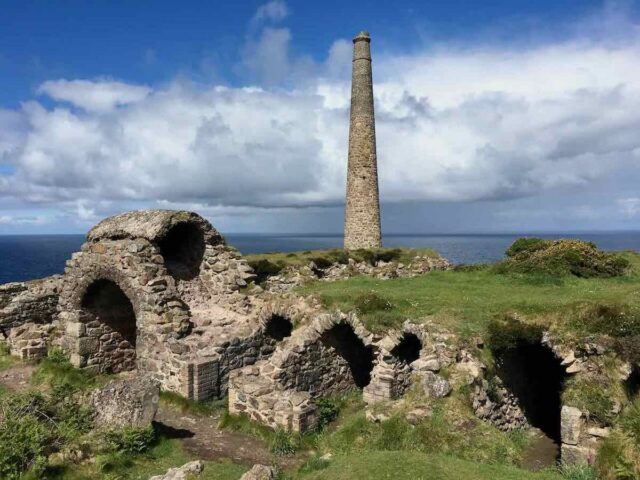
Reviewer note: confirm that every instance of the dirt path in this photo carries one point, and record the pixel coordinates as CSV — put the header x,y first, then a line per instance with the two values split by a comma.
x,y
201,436
16,378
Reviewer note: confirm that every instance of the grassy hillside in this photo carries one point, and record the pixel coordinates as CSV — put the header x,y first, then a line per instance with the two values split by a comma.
x,y
467,298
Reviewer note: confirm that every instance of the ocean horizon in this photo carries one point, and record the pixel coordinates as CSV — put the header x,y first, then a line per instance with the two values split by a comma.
x,y
27,257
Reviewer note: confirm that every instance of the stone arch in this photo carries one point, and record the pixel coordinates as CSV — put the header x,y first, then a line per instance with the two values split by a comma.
x,y
109,316
343,340
408,348
87,276
182,247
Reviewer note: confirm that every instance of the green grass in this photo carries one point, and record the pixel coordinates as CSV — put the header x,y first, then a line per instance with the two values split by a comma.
x,y
466,300
167,453
402,465
207,408
6,360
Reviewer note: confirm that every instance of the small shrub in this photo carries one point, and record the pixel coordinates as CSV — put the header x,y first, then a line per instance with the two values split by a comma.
x,y
371,302
561,257
328,411
577,472
526,245
283,443
35,425
129,440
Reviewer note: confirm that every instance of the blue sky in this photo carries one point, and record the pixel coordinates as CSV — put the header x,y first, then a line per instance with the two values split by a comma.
x,y
492,116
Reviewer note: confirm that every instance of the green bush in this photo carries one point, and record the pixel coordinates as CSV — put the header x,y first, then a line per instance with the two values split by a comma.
x,y
371,302
526,245
35,425
264,269
561,257
129,440
328,411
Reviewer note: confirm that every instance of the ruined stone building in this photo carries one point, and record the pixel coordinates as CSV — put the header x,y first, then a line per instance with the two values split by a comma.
x,y
362,211
160,292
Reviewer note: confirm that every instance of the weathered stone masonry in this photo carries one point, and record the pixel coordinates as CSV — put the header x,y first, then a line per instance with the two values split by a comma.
x,y
362,213
159,290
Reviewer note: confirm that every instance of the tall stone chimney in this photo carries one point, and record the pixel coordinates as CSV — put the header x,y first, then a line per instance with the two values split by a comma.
x,y
362,215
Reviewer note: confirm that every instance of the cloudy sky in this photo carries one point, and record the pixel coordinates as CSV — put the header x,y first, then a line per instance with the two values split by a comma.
x,y
497,116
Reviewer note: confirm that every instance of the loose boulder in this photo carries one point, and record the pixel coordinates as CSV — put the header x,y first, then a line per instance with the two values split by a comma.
x,y
260,472
126,403
435,386
188,470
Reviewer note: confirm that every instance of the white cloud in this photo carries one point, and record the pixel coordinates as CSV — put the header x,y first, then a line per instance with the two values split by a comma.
x,y
453,125
94,96
630,206
273,11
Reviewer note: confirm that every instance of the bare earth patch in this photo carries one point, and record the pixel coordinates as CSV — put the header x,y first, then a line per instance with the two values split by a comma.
x,y
203,439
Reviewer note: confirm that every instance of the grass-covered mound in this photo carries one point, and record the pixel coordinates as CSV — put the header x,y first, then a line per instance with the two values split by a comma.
x,y
561,257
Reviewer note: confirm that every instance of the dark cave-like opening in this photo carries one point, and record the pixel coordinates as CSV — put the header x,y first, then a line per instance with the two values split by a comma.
x,y
349,346
182,249
408,350
278,327
105,301
535,376
632,383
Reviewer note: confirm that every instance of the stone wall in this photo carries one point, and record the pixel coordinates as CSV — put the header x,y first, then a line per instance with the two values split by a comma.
x,y
35,302
279,392
394,372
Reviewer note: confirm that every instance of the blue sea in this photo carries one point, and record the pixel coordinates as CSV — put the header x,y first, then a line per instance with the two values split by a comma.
x,y
25,257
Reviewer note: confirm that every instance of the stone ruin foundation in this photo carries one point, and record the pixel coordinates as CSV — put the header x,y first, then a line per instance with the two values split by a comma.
x,y
160,292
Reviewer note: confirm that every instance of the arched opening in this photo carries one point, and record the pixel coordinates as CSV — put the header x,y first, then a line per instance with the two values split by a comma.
x,y
182,249
348,345
278,328
536,377
408,350
112,323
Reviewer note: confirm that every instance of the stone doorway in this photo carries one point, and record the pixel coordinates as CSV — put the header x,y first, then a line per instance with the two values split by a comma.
x,y
535,376
111,327
350,347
